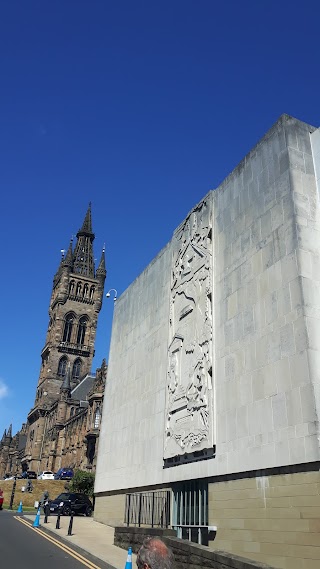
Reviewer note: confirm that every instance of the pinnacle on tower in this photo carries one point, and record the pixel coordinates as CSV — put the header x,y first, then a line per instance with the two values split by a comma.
x,y
9,433
68,260
101,270
4,436
57,276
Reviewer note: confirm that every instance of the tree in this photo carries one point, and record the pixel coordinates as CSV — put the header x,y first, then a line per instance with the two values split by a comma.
x,y
82,482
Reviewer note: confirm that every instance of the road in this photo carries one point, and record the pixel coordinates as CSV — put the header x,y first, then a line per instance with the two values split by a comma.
x,y
22,546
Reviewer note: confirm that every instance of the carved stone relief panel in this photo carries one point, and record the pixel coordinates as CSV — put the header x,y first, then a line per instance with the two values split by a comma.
x,y
189,400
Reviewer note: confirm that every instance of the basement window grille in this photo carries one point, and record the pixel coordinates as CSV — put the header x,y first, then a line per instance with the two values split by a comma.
x,y
190,511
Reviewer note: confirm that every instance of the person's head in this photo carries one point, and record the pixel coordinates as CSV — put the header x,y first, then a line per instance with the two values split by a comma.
x,y
154,554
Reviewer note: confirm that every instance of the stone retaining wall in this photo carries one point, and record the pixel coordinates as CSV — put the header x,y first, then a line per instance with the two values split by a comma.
x,y
187,555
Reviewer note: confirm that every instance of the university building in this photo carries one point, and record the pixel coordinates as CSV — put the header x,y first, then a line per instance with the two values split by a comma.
x,y
212,404
12,450
63,426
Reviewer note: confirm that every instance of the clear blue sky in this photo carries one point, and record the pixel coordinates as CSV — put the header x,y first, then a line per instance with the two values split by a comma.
x,y
140,107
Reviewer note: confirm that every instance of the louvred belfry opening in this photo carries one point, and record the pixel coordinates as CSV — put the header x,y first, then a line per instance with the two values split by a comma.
x,y
83,259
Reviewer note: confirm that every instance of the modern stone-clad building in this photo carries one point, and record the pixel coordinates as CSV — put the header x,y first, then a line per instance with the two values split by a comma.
x,y
213,393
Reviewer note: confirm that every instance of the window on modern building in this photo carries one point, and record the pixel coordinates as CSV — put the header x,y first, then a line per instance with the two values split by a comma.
x,y
62,367
82,326
76,370
68,325
97,417
190,511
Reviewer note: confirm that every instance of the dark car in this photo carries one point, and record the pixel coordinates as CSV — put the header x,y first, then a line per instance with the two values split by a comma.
x,y
23,475
69,501
31,475
64,474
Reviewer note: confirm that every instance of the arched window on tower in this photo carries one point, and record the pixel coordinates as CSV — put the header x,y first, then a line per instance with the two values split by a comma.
x,y
97,418
82,326
71,287
85,290
76,370
67,332
62,367
78,289
91,292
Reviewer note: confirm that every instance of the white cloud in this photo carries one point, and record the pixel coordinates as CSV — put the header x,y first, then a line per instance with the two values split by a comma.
x,y
4,391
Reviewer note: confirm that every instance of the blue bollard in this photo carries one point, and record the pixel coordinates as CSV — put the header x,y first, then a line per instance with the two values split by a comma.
x,y
36,522
128,564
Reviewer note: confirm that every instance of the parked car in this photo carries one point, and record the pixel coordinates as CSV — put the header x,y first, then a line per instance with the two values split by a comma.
x,y
23,475
69,501
64,474
1,499
46,475
31,475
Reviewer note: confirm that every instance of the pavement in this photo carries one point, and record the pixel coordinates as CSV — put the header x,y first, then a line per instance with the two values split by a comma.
x,y
88,537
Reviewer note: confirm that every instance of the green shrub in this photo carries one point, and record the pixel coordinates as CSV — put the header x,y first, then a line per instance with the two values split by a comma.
x,y
82,482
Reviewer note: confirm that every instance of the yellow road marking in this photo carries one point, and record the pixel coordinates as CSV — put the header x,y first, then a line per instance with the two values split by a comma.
x,y
65,548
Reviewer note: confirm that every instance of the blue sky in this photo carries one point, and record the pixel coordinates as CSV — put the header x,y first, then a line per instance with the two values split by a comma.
x,y
141,108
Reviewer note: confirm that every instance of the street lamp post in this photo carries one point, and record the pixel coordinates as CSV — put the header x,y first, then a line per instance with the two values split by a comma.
x,y
109,294
12,493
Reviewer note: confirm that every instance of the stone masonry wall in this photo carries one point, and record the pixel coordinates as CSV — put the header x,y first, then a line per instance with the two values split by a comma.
x,y
187,555
110,510
272,519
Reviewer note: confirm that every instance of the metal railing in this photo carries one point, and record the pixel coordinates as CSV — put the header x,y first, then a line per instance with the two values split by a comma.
x,y
148,509
194,533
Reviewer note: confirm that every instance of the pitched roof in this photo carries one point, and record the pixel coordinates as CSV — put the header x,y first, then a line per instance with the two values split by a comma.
x,y
81,390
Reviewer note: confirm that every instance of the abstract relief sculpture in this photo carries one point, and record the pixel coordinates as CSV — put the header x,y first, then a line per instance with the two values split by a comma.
x,y
189,403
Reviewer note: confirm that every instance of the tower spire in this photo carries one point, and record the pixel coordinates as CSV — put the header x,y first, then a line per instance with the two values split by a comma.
x,y
83,259
87,223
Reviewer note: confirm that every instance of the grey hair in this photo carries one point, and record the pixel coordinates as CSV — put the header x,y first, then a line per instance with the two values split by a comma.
x,y
155,554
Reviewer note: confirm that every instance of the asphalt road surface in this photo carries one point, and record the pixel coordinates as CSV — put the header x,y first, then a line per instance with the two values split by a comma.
x,y
24,547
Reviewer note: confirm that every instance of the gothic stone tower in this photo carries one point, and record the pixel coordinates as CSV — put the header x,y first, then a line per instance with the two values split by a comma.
x,y
4,451
75,303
